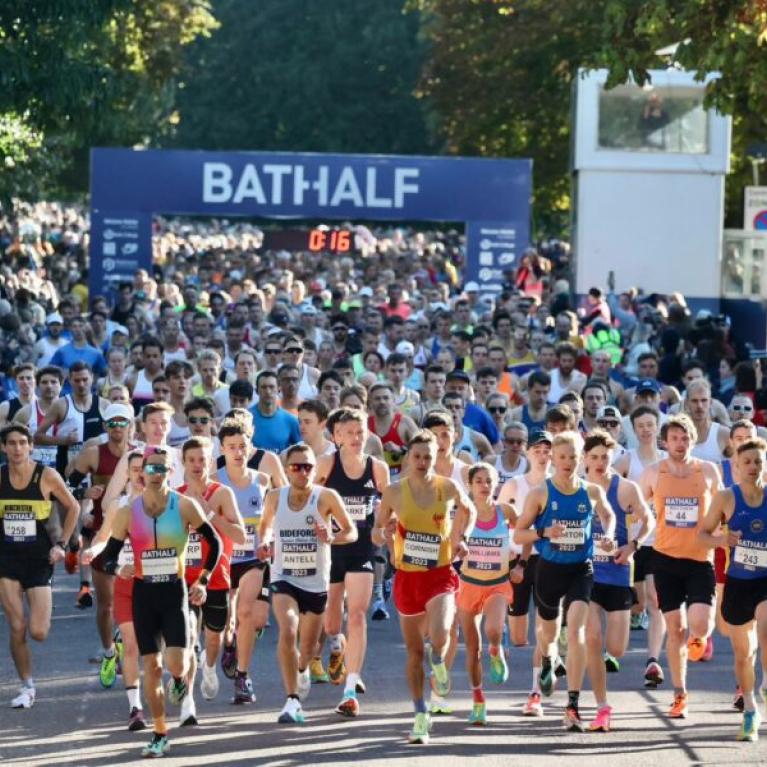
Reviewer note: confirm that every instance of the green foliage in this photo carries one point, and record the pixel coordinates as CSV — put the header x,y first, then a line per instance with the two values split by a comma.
x,y
80,74
306,76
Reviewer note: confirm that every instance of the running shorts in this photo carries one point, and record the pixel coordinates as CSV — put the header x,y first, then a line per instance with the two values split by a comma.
x,y
472,597
554,582
612,598
160,615
682,581
741,598
414,590
307,601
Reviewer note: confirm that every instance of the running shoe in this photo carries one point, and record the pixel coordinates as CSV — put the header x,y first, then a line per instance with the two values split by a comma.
x,y
438,706
636,622
653,674
645,624
478,715
349,705
188,714
440,676
158,746
386,586
229,659
209,683
499,671
708,653
695,649
136,720
304,684
737,702
336,668
421,726
177,690
380,613
678,708
84,598
572,720
25,698
108,671
562,641
360,687
70,561
749,729
533,706
611,664
317,672
560,669
243,691
291,713
601,722
117,638
547,680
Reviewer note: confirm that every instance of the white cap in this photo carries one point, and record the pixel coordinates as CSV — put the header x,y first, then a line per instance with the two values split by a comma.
x,y
120,329
366,292
406,348
471,287
55,317
118,410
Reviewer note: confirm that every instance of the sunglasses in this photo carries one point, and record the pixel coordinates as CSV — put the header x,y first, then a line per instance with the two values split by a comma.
x,y
305,468
515,441
742,408
273,351
156,468
117,423
201,419
294,350
609,424
497,409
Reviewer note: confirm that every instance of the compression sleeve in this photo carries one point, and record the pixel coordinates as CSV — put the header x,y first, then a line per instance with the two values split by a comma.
x,y
207,531
110,554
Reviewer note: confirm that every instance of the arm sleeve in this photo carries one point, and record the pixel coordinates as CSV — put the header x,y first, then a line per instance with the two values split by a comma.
x,y
214,546
110,554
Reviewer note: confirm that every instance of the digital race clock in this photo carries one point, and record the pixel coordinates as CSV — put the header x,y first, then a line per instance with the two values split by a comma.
x,y
313,240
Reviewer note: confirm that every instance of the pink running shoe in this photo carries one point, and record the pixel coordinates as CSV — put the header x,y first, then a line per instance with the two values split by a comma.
x,y
601,722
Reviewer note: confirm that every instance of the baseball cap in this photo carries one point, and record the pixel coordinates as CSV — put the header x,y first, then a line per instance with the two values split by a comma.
x,y
51,319
458,375
471,287
118,410
366,292
308,309
608,411
406,348
538,436
120,329
648,384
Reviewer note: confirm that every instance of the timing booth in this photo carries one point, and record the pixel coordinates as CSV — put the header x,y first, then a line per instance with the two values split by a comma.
x,y
128,187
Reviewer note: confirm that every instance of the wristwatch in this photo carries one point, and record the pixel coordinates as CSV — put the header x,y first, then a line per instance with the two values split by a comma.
x,y
540,531
61,545
522,563
203,581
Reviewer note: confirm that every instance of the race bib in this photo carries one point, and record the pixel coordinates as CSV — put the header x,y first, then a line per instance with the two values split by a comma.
x,y
358,512
246,550
299,559
421,549
681,512
45,455
754,559
159,566
599,554
486,554
20,527
572,537
194,551
125,557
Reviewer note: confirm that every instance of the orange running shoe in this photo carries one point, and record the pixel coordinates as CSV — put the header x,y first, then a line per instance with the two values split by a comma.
x,y
696,648
678,709
70,561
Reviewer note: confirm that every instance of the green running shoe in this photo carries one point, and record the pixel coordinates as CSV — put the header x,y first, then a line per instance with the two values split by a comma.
x,y
158,746
611,664
499,671
440,676
547,680
749,729
420,732
108,671
478,715
177,691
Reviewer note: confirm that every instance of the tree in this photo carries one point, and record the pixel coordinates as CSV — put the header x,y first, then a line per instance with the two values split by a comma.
x,y
75,75
302,76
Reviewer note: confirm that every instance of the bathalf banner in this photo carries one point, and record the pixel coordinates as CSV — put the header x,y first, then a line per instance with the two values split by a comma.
x,y
490,196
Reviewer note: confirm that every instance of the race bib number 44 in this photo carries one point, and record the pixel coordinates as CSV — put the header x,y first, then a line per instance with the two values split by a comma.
x,y
159,566
753,559
421,549
681,512
20,527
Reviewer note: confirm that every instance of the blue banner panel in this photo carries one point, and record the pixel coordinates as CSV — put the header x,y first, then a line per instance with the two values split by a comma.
x,y
492,247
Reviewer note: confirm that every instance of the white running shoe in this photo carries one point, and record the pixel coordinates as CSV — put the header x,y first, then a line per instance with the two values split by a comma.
x,y
304,684
25,698
291,713
188,715
209,683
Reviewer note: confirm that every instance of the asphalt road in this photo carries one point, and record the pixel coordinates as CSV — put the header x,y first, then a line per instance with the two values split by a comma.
x,y
75,722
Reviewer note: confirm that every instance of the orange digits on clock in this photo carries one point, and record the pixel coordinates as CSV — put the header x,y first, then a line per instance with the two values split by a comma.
x,y
317,239
344,241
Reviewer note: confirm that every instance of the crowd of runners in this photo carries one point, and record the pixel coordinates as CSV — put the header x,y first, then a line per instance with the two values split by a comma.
x,y
244,437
